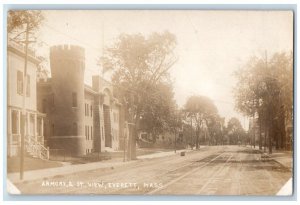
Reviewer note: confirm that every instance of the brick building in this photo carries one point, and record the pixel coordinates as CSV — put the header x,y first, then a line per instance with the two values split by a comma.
x,y
81,119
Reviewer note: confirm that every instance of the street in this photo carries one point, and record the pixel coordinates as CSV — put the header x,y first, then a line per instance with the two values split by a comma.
x,y
213,170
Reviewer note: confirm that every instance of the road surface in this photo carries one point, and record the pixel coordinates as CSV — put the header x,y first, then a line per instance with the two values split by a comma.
x,y
215,170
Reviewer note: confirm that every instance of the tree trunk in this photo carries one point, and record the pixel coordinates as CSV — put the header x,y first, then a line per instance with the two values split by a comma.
x,y
133,143
277,139
269,137
129,144
134,137
260,142
265,135
197,140
284,132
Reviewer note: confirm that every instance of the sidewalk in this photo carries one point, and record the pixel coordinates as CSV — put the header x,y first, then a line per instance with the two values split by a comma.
x,y
163,154
285,158
70,169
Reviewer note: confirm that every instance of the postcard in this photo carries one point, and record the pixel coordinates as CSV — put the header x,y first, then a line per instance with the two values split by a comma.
x,y
150,102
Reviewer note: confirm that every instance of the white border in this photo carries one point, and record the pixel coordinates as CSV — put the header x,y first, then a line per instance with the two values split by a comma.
x,y
111,2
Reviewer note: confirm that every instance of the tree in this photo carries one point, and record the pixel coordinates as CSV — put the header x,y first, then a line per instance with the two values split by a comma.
x,y
264,91
235,131
202,110
215,127
159,111
139,63
20,20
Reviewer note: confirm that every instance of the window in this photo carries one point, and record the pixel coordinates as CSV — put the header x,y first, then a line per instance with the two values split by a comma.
x,y
91,132
15,122
52,130
51,100
91,111
87,109
85,132
28,86
32,125
20,82
44,106
74,99
39,126
74,128
88,136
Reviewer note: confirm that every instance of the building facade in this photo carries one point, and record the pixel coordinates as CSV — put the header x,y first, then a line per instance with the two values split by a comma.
x,y
34,124
81,119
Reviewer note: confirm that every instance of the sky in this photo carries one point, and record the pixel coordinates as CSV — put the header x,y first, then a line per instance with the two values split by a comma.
x,y
211,45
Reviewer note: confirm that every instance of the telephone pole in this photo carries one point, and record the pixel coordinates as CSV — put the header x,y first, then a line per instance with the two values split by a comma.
x,y
24,113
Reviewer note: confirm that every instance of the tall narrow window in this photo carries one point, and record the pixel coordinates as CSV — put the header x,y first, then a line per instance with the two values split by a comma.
x,y
88,137
15,122
85,132
52,130
20,82
91,132
39,126
91,111
28,86
87,109
74,99
32,125
74,128
44,106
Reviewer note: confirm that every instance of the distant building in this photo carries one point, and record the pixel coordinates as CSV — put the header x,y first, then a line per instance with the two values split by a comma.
x,y
34,135
81,119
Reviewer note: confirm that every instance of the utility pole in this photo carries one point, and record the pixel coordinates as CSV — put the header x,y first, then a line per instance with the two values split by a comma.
x,y
23,118
175,141
191,133
268,113
254,130
125,138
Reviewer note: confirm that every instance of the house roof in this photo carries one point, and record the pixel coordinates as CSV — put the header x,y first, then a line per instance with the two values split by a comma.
x,y
19,49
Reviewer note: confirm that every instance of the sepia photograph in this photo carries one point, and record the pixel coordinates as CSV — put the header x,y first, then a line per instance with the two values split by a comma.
x,y
150,102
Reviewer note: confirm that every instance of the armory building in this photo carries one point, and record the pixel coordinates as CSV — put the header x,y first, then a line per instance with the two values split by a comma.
x,y
81,119
63,112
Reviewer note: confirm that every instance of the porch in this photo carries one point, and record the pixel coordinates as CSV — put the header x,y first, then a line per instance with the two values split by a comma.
x,y
34,133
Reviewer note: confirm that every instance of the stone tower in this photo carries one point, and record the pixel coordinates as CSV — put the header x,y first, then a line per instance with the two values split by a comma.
x,y
67,116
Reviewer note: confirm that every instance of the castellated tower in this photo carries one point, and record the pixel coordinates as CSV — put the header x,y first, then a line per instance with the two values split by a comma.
x,y
67,117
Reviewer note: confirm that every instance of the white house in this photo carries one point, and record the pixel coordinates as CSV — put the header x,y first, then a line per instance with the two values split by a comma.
x,y
34,139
